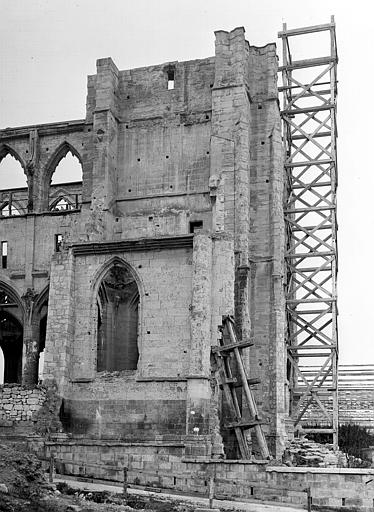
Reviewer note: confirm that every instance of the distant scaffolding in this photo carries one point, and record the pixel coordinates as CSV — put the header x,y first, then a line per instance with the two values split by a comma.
x,y
309,89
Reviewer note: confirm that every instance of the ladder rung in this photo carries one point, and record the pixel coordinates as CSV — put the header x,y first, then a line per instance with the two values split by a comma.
x,y
306,30
228,381
293,111
318,391
244,423
252,382
234,382
308,63
231,346
307,163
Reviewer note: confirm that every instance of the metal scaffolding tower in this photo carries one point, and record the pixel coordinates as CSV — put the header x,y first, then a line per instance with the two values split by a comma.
x,y
309,90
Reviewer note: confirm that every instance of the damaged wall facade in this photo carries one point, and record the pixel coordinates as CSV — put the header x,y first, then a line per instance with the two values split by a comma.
x,y
177,221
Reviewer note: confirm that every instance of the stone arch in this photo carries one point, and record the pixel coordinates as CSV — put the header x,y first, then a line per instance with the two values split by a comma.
x,y
117,296
5,150
8,288
11,333
12,208
63,149
20,171
62,202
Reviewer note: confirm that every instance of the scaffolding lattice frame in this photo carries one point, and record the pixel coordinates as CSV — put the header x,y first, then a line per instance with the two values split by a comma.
x,y
309,90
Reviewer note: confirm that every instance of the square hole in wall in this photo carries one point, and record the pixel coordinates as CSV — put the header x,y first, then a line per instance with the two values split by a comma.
x,y
196,225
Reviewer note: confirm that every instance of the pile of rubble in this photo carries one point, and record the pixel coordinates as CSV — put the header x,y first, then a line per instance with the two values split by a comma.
x,y
303,452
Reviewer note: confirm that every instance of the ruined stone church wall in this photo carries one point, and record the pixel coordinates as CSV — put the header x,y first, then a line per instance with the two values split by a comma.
x,y
155,161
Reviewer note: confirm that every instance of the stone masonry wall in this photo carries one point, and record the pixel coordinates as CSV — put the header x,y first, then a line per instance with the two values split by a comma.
x,y
20,404
163,466
156,164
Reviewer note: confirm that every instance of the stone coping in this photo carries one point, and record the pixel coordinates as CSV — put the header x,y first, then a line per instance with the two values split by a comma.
x,y
44,129
204,460
87,442
329,471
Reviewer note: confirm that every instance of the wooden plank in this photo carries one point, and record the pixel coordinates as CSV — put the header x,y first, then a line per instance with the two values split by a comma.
x,y
322,92
319,430
310,301
308,63
322,392
311,311
234,382
309,163
294,111
309,347
309,135
311,208
249,398
314,354
233,407
301,86
244,424
303,255
305,30
231,346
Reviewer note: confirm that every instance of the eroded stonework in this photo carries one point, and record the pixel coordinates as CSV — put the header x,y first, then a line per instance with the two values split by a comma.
x,y
177,222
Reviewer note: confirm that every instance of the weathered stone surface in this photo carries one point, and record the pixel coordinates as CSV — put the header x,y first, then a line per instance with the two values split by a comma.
x,y
17,404
303,452
183,187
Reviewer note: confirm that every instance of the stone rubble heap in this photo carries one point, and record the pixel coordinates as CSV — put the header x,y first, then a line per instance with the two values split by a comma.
x,y
303,452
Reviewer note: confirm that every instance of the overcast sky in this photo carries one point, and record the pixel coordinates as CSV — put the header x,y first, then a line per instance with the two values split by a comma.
x,y
48,47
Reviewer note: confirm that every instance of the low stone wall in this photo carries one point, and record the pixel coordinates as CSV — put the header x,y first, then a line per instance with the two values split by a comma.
x,y
19,403
163,466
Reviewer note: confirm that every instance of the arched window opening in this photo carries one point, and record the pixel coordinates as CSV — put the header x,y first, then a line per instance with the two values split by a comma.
x,y
63,190
117,329
68,170
11,173
11,336
8,209
62,204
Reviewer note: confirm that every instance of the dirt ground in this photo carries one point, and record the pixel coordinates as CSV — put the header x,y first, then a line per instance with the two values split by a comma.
x,y
24,488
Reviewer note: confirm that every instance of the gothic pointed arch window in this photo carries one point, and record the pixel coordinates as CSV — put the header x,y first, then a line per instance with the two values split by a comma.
x,y
61,204
68,169
14,193
63,174
118,317
9,209
12,174
11,338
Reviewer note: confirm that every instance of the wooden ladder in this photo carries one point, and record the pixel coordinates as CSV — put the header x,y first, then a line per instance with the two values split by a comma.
x,y
229,383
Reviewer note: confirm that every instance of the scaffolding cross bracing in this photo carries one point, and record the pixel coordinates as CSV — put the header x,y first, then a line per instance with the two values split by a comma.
x,y
309,90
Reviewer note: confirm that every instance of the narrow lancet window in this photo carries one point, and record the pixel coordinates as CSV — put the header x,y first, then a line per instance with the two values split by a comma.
x,y
11,336
117,330
171,78
4,254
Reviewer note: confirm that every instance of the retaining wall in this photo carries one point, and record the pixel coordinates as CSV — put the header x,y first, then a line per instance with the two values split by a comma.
x,y
19,403
163,466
